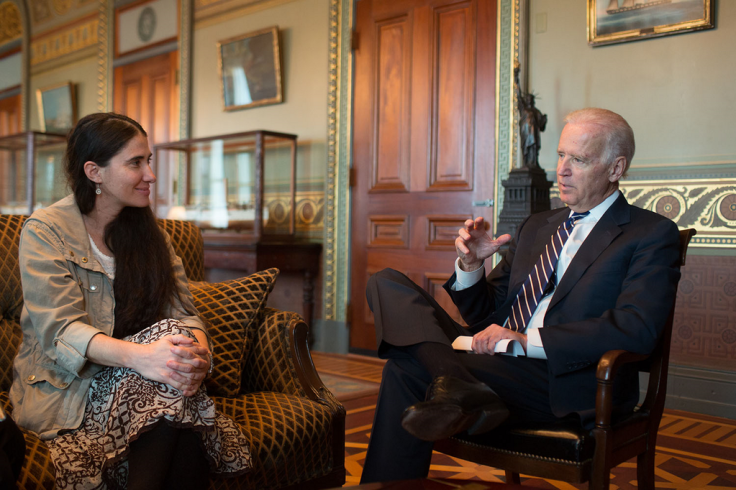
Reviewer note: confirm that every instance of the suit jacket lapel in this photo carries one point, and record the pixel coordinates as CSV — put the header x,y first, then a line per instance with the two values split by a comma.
x,y
597,241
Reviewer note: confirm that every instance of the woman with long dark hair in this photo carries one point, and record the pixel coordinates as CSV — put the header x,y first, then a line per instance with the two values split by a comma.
x,y
113,356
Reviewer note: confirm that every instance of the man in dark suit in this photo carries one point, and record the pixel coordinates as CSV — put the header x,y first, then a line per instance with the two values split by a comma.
x,y
575,283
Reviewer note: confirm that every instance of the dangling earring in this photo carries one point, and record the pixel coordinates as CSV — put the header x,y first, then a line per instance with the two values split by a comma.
x,y
98,191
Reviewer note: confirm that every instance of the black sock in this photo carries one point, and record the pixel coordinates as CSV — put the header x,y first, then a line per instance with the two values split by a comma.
x,y
439,360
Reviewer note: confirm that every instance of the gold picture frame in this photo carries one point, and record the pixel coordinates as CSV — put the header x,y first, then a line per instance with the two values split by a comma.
x,y
57,107
617,21
250,69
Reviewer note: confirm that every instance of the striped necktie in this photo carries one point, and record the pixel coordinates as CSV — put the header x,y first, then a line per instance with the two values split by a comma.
x,y
538,280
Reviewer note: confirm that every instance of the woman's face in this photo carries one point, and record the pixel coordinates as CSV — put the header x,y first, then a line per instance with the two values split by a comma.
x,y
127,179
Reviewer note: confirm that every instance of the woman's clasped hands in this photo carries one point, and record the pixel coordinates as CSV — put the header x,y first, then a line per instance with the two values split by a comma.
x,y
177,360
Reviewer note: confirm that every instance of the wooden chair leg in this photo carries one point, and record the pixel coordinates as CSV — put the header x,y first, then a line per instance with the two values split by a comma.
x,y
512,477
645,469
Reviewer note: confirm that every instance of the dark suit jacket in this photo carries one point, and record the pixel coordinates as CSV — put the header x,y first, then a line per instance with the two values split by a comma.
x,y
617,293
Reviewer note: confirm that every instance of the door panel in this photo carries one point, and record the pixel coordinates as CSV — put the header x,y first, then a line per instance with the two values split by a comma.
x,y
452,139
147,92
423,141
391,162
10,186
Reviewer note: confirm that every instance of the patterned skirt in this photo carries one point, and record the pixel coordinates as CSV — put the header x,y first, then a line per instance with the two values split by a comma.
x,y
122,405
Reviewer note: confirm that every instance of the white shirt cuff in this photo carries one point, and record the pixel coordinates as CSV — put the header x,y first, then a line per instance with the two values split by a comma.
x,y
534,347
464,280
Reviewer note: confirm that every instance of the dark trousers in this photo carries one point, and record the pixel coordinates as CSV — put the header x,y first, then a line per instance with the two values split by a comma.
x,y
406,315
12,453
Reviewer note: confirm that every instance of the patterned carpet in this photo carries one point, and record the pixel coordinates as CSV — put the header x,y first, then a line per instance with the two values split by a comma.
x,y
693,451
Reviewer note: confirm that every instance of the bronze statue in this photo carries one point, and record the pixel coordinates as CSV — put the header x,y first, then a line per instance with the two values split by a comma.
x,y
531,123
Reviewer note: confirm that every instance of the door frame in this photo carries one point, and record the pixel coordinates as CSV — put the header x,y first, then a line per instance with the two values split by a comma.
x,y
511,29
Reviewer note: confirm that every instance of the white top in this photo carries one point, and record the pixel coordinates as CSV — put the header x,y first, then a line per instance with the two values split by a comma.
x,y
580,232
107,262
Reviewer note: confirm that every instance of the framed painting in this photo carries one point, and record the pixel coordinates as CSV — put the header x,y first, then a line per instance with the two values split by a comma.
x,y
57,107
250,69
617,21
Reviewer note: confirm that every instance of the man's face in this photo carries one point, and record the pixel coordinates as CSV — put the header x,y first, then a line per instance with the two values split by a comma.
x,y
583,178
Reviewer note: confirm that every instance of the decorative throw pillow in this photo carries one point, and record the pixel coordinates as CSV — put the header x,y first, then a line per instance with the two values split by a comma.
x,y
231,308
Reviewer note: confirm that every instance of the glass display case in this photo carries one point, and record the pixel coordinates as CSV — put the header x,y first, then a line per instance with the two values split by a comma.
x,y
242,183
31,171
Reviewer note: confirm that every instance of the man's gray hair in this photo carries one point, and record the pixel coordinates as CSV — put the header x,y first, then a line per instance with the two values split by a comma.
x,y
619,135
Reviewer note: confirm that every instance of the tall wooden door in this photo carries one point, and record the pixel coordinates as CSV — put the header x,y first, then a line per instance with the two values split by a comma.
x,y
424,141
147,91
10,186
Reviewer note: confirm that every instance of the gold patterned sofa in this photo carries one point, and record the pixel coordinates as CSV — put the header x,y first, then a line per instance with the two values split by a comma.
x,y
264,378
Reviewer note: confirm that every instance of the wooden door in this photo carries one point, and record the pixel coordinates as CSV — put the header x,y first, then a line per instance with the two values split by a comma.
x,y
10,186
147,91
424,140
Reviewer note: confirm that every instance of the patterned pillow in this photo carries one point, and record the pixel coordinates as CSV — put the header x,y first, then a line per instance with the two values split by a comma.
x,y
233,309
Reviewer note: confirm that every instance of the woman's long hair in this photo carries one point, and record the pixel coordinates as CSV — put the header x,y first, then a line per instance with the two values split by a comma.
x,y
144,277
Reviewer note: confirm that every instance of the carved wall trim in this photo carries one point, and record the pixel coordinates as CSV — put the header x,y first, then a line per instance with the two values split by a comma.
x,y
11,27
71,38
105,33
336,240
186,28
507,52
708,205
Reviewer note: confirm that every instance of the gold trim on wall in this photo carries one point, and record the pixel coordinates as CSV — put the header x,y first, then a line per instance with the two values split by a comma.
x,y
105,33
708,205
10,24
74,37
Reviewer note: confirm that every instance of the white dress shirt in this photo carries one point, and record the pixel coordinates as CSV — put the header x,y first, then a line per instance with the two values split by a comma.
x,y
580,232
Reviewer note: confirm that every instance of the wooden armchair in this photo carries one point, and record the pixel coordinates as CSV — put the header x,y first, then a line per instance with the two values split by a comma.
x,y
264,378
565,451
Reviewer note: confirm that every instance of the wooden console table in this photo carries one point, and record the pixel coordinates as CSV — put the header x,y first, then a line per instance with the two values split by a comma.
x,y
234,252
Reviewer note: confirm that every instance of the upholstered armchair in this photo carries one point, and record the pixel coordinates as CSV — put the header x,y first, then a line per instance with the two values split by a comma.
x,y
264,378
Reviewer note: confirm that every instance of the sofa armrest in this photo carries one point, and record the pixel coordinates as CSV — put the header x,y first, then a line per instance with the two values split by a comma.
x,y
280,361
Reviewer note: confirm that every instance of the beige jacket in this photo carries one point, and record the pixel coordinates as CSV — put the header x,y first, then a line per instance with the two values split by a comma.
x,y
67,300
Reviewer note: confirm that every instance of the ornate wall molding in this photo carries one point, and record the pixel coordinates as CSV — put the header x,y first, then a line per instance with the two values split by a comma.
x,y
185,69
11,27
336,240
507,52
74,37
105,33
708,205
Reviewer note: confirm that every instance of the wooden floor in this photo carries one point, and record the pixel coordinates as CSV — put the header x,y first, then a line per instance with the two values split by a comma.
x,y
693,451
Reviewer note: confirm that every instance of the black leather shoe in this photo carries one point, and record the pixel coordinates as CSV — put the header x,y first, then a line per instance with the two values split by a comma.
x,y
451,406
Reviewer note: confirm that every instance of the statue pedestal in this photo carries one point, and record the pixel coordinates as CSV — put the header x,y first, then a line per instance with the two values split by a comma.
x,y
526,191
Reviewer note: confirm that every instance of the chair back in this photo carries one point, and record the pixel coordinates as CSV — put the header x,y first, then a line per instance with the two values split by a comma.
x,y
11,296
186,238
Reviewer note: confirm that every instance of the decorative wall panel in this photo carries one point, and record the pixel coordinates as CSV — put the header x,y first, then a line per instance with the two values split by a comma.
x,y
708,205
704,333
81,34
10,23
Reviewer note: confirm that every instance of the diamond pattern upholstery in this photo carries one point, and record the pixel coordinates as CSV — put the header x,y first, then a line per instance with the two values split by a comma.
x,y
186,238
11,296
288,435
264,377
